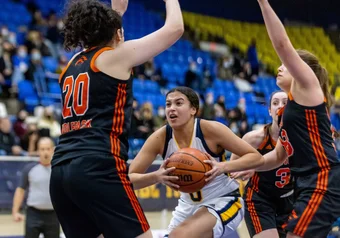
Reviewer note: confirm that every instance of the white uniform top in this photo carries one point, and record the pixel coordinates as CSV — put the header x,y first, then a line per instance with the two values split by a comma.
x,y
220,186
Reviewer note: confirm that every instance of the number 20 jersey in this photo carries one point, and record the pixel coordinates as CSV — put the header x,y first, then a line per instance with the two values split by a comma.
x,y
96,111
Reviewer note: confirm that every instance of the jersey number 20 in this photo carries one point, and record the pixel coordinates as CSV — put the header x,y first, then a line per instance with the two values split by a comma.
x,y
78,90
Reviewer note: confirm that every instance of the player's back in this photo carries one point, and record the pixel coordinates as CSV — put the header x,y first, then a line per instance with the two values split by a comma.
x,y
277,181
307,138
96,110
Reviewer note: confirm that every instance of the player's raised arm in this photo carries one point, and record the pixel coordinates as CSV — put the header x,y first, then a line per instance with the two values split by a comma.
x,y
120,6
300,71
136,52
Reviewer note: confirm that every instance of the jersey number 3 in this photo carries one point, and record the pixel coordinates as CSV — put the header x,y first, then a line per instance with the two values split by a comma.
x,y
76,98
284,173
285,143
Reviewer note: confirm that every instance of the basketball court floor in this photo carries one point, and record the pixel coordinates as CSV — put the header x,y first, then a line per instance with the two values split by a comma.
x,y
158,222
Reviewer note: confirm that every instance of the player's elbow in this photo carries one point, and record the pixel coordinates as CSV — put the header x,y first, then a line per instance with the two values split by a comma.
x,y
259,161
175,29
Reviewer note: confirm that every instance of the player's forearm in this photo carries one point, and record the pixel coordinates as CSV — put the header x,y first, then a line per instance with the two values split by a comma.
x,y
140,181
275,28
174,18
248,161
271,161
19,196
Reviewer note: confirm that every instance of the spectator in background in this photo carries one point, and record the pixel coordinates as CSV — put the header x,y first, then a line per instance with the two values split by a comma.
x,y
160,118
29,141
220,115
238,113
192,79
134,119
38,22
207,78
49,122
6,66
225,68
35,66
249,75
243,128
20,126
8,145
35,179
221,102
145,124
253,58
208,110
53,34
35,40
21,63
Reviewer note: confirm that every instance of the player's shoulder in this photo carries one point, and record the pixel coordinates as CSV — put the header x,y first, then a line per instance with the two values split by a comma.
x,y
159,135
209,125
255,137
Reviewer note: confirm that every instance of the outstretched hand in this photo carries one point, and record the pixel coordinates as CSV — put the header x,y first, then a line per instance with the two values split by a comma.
x,y
120,6
164,177
217,168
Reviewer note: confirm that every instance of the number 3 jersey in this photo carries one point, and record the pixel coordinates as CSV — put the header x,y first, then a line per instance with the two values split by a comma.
x,y
277,182
307,138
220,186
96,111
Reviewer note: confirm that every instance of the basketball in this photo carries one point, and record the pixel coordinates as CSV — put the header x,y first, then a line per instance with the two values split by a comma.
x,y
190,169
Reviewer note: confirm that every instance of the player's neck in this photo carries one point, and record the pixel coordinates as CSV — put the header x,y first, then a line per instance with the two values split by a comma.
x,y
183,136
274,131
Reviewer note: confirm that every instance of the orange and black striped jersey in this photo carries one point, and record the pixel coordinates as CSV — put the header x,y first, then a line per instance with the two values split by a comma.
x,y
306,136
277,181
96,111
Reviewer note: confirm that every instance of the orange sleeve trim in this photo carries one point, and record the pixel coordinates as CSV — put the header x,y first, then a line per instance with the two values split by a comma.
x,y
290,96
93,60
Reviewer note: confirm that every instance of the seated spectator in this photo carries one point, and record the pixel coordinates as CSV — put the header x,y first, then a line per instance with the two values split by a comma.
x,y
221,102
145,124
29,141
238,113
20,126
225,68
220,115
21,63
49,122
208,111
192,78
160,118
8,145
35,40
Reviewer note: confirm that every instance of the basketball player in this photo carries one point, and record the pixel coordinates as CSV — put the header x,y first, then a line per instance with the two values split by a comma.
x,y
90,189
217,209
268,195
305,136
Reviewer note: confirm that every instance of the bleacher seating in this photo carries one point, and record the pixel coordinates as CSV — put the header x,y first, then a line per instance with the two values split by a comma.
x,y
240,34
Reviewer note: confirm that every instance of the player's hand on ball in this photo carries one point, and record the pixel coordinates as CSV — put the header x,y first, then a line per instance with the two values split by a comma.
x,y
244,175
164,177
217,168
